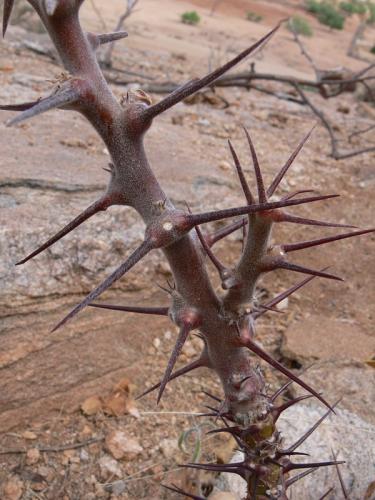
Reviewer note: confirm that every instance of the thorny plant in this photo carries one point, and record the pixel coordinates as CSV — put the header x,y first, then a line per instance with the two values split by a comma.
x,y
226,323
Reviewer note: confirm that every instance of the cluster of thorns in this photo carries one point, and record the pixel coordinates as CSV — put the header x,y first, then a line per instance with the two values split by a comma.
x,y
264,456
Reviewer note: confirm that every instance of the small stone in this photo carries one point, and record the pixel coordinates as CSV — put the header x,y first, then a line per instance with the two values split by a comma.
x,y
156,343
13,489
32,456
178,120
117,404
116,488
92,406
29,435
168,335
109,467
47,472
224,165
84,456
120,445
168,447
343,109
69,457
86,431
204,122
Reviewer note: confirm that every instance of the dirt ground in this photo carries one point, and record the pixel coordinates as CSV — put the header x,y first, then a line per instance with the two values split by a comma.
x,y
51,168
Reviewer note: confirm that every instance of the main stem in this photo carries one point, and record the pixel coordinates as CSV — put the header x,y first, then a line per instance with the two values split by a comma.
x,y
123,132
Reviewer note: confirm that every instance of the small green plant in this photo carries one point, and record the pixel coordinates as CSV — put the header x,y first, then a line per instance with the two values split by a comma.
x,y
253,16
326,13
371,13
300,26
191,17
353,7
372,50
313,6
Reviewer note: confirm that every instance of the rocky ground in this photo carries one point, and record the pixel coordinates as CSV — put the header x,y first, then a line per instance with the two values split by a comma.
x,y
69,425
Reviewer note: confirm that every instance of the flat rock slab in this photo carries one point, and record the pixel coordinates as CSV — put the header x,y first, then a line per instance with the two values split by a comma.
x,y
324,338
351,381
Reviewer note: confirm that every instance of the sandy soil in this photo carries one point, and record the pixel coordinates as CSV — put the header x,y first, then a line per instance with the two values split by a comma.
x,y
46,378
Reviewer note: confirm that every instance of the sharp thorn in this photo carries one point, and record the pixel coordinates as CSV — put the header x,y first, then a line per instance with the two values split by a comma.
x,y
135,257
284,387
215,261
193,86
218,468
7,11
211,415
215,398
308,433
270,360
19,107
279,298
245,187
322,241
278,411
178,373
298,477
181,339
233,431
61,98
159,311
225,231
178,490
216,410
262,197
315,465
296,193
241,445
111,37
250,209
342,483
96,207
281,453
305,270
270,308
295,219
164,289
285,168
327,493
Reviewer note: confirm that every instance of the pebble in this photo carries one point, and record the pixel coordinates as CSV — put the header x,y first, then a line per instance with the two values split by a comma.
x,y
32,456
225,165
29,435
12,489
92,405
168,447
84,456
120,445
168,335
109,467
